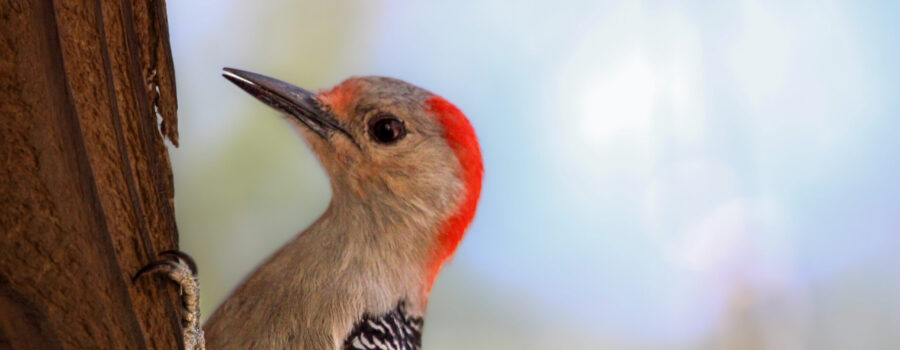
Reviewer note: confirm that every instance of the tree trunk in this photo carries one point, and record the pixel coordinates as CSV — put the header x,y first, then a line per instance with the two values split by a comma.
x,y
87,94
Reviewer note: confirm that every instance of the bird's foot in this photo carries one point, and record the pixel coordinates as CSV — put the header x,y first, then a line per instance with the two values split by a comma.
x,y
181,269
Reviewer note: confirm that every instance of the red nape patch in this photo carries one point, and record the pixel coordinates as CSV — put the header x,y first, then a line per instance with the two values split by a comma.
x,y
461,137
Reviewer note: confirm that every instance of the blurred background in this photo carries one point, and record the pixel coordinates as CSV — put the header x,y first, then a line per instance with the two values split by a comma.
x,y
659,175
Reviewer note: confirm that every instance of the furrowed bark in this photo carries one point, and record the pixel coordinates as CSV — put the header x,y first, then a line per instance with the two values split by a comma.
x,y
87,96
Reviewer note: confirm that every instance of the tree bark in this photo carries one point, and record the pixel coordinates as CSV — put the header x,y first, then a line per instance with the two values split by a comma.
x,y
87,96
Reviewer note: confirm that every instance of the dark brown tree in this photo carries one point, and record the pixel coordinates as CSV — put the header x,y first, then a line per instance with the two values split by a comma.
x,y
87,96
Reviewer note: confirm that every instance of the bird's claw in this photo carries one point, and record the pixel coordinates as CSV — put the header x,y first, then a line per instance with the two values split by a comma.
x,y
187,259
168,265
183,271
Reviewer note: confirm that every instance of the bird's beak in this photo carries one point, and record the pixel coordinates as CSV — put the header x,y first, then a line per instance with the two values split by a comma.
x,y
297,102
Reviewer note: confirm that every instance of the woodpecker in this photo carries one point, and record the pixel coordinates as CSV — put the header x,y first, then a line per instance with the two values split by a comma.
x,y
405,170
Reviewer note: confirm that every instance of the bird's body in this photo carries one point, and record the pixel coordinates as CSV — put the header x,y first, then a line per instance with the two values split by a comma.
x,y
318,286
405,173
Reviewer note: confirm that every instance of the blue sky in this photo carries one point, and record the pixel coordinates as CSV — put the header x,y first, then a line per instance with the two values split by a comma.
x,y
648,163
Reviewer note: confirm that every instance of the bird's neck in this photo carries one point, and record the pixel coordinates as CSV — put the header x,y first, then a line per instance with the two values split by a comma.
x,y
387,247
394,239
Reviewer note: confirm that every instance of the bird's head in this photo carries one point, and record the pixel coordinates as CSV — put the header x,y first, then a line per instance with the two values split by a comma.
x,y
406,154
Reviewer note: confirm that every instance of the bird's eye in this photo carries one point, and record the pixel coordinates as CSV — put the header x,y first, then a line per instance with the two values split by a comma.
x,y
387,129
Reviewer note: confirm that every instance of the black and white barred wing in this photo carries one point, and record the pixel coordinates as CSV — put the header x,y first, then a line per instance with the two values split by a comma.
x,y
395,330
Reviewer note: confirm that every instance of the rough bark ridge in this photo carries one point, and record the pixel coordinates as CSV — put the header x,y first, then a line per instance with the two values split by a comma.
x,y
87,93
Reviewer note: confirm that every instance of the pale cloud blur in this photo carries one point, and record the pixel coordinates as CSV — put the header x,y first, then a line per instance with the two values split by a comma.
x,y
659,175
